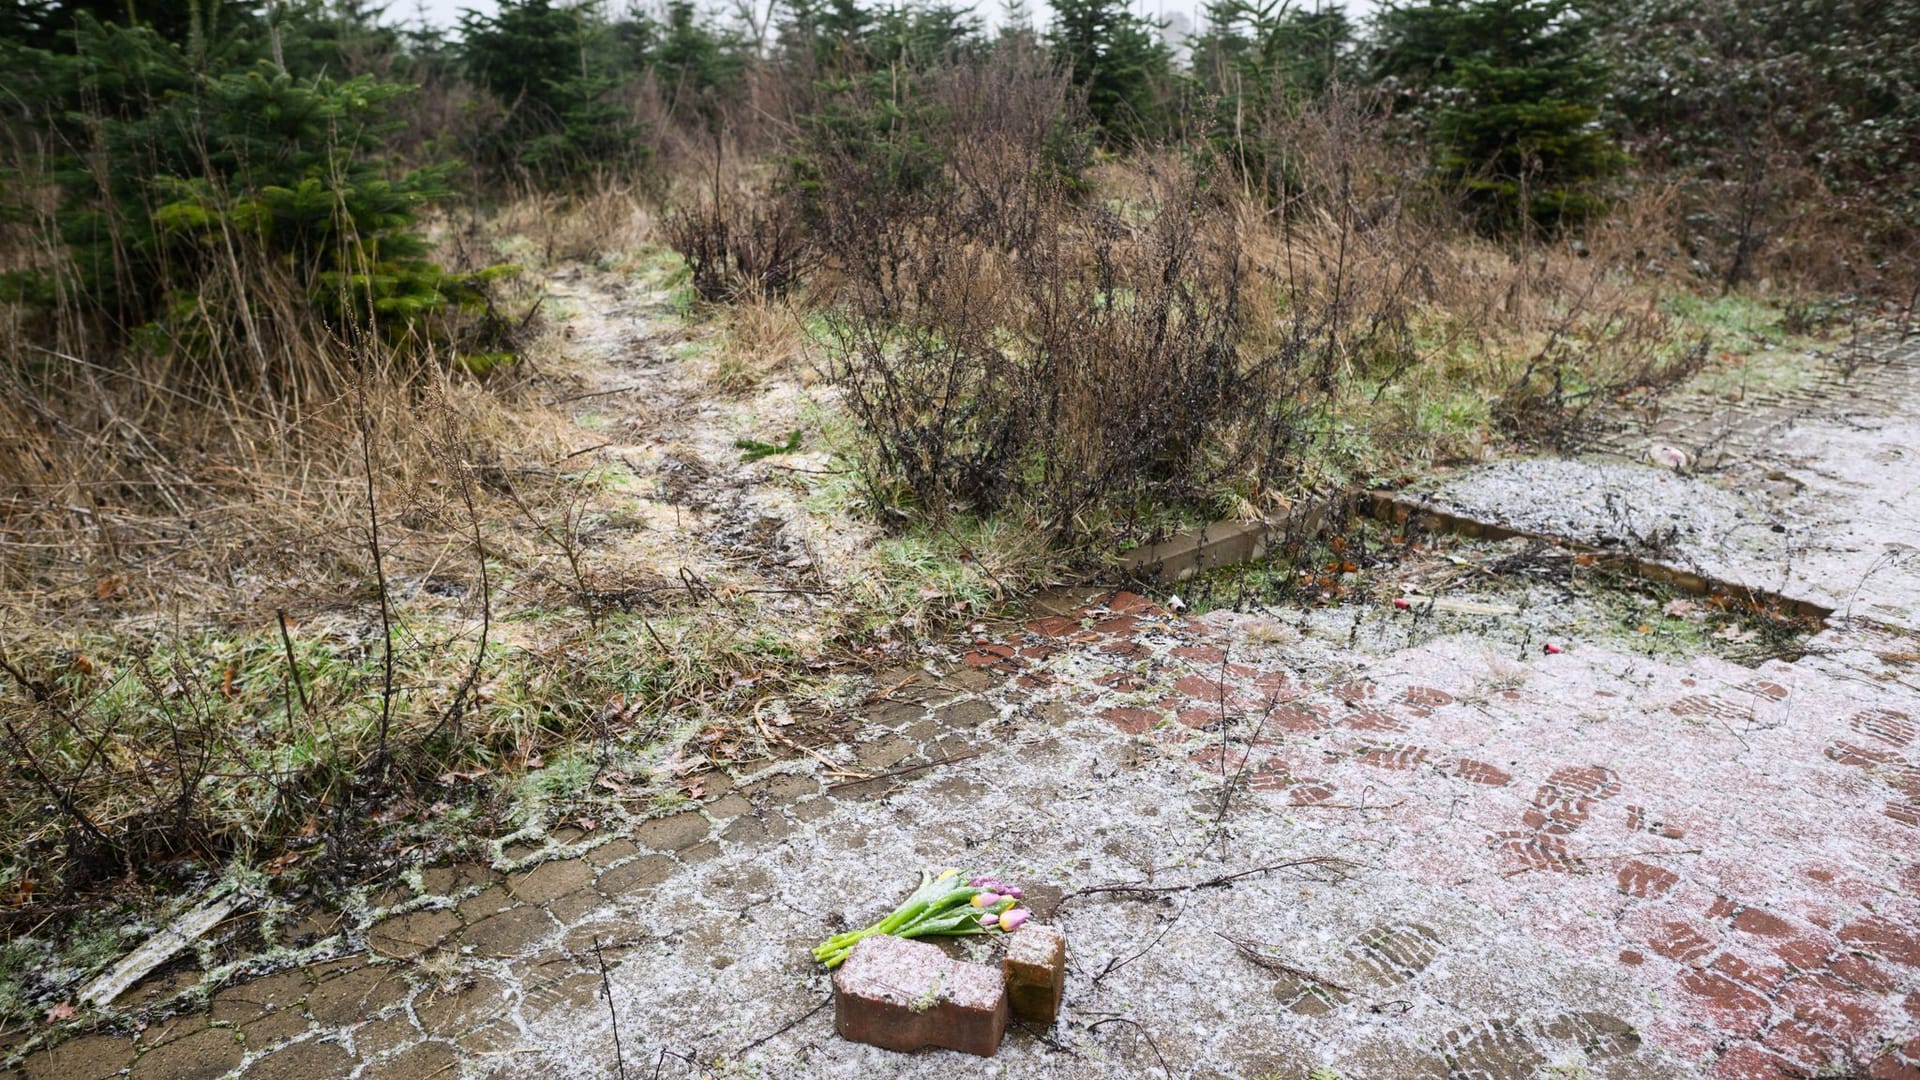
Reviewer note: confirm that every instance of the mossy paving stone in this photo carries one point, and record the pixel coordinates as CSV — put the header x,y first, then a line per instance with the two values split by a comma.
x,y
309,1060
356,995
507,933
727,806
404,937
421,1062
89,1057
203,1055
485,904
550,880
675,832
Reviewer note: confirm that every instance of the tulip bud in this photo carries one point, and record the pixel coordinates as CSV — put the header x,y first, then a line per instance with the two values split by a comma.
x,y
1012,919
989,920
985,899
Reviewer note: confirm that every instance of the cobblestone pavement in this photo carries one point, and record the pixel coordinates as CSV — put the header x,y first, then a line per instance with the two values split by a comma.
x,y
1452,854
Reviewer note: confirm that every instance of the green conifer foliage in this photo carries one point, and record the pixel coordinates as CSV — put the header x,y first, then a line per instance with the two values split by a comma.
x,y
1509,93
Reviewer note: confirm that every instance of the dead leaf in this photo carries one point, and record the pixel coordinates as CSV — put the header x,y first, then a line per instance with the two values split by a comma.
x,y
62,1012
1679,608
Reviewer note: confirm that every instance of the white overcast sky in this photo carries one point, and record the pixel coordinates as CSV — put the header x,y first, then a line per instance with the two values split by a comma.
x,y
447,12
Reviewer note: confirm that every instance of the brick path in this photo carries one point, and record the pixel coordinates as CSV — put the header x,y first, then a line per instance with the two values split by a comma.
x,y
1592,860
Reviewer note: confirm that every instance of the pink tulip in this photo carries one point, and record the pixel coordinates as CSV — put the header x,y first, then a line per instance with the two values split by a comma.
x,y
1011,920
990,919
986,899
1013,891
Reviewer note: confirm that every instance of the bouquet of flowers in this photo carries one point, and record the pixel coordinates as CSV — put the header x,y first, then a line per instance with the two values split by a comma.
x,y
941,907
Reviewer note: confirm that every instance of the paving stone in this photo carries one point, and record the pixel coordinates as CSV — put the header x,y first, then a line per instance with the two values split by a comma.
x,y
629,877
884,752
275,1027
969,713
356,995
248,1000
448,1013
907,995
782,789
574,906
456,878
388,1033
408,936
550,880
756,829
672,833
426,1061
312,1059
612,852
699,853
89,1057
507,933
727,806
203,1055
486,904
812,809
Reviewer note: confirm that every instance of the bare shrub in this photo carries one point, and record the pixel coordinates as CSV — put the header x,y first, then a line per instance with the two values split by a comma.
x,y
739,244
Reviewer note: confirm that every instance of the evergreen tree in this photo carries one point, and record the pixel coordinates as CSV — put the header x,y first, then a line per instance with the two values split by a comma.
x,y
1510,96
1118,58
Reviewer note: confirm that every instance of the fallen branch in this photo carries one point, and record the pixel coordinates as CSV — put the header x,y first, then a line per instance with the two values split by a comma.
x,y
1251,950
902,772
788,1026
1143,889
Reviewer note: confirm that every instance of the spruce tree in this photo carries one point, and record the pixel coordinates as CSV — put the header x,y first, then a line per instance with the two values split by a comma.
x,y
1118,58
1510,96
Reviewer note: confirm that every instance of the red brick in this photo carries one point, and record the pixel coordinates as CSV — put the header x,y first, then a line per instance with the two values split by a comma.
x,y
1116,627
1053,626
1302,718
1128,603
1202,654
1880,935
1646,881
1765,923
1197,718
1736,1010
1890,1066
1130,720
905,995
988,656
1683,943
1748,1062
1766,978
1036,970
1199,686
1862,972
1807,1045
1804,953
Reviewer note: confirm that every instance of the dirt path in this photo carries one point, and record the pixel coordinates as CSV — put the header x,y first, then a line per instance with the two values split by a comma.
x,y
1470,856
